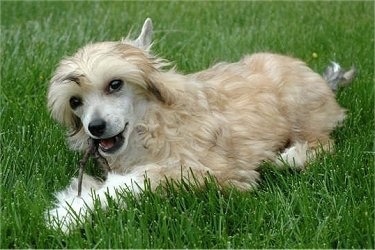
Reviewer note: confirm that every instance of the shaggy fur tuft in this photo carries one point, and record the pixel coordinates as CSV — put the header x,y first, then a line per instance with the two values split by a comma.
x,y
337,77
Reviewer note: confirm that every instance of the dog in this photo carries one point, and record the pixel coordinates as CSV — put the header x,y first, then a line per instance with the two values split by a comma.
x,y
150,122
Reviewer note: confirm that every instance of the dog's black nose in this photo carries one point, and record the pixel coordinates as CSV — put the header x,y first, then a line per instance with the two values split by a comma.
x,y
97,127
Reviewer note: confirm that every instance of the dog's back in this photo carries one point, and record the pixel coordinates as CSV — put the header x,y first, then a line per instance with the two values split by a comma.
x,y
273,102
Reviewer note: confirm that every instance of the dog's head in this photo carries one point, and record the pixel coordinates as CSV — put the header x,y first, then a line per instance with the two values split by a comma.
x,y
102,91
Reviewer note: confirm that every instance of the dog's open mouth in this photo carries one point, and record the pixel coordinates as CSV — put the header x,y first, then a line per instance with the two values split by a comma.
x,y
112,144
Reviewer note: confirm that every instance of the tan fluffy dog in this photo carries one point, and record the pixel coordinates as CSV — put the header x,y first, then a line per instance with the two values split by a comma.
x,y
148,122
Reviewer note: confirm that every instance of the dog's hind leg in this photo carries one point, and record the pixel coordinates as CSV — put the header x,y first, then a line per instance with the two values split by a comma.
x,y
294,156
300,153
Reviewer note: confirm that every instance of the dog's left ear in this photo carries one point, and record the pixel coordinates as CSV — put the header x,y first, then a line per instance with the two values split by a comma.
x,y
144,40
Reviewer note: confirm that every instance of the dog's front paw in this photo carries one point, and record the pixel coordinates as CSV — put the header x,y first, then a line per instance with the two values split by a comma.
x,y
67,214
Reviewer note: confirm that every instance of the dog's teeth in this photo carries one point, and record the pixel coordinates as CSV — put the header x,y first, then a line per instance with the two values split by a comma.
x,y
110,143
107,143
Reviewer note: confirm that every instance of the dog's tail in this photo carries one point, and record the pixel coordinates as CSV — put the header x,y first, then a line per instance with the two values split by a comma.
x,y
337,77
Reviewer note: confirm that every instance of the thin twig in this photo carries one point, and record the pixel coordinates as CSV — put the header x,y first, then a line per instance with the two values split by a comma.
x,y
90,151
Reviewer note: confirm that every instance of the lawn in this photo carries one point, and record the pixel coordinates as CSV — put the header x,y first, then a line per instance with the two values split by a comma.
x,y
331,205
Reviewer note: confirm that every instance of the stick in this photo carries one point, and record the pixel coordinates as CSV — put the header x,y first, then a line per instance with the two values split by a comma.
x,y
90,150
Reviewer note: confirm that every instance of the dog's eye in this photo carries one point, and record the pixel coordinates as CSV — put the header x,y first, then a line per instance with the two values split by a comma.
x,y
115,85
75,102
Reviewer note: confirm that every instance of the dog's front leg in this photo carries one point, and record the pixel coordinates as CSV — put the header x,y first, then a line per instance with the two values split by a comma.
x,y
71,210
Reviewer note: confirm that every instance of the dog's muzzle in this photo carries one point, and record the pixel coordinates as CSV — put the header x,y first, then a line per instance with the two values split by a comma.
x,y
108,144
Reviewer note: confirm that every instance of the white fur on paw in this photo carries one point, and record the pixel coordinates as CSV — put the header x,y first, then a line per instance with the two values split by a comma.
x,y
295,156
67,214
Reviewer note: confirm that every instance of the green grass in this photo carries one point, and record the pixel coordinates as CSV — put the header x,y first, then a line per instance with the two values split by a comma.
x,y
329,206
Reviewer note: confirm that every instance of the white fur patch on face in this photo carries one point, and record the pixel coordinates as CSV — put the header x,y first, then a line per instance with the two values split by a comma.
x,y
114,111
116,118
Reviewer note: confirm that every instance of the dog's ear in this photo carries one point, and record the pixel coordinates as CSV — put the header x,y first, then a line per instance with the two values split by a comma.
x,y
58,99
160,92
166,87
144,40
58,96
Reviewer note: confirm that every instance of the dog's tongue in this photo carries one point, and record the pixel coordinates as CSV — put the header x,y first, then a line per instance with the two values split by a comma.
x,y
107,143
